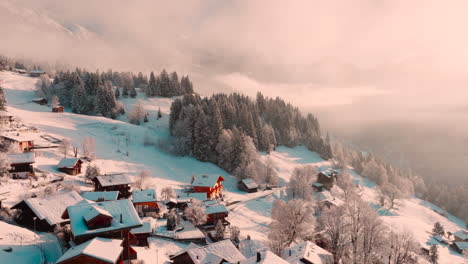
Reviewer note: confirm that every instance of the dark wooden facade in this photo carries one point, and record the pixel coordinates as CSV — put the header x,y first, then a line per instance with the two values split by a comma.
x,y
75,170
99,221
40,101
21,170
123,189
327,179
26,218
212,219
183,258
80,259
57,109
243,187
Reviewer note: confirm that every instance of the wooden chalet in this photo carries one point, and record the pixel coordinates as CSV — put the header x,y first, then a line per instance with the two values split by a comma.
x,y
100,196
266,257
24,141
248,185
115,182
218,252
142,234
40,101
36,73
460,247
210,184
71,166
109,219
96,251
461,236
215,213
325,199
44,214
5,120
145,201
307,252
57,109
21,165
327,178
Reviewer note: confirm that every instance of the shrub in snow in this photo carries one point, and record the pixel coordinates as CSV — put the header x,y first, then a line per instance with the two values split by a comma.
x,y
196,213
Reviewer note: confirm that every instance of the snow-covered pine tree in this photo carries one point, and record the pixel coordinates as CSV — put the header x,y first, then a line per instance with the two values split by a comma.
x,y
200,148
216,123
79,103
3,102
150,90
175,85
117,92
165,84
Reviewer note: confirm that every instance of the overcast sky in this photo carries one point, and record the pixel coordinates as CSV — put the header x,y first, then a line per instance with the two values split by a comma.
x,y
354,63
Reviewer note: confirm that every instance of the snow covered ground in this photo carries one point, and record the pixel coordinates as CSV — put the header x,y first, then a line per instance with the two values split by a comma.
x,y
116,138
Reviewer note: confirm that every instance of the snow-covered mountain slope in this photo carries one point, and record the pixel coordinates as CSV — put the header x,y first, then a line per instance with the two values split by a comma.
x,y
114,138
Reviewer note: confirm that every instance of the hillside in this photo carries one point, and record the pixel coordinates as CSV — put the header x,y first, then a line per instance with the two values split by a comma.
x,y
116,138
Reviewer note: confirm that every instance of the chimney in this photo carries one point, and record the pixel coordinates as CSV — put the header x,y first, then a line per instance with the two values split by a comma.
x,y
121,219
289,252
259,256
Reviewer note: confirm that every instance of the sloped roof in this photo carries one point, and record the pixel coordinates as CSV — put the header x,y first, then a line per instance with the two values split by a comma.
x,y
206,180
51,208
328,172
199,196
105,249
462,245
94,211
214,253
19,137
218,208
461,234
119,209
37,71
145,228
323,196
68,163
112,180
250,183
266,257
21,158
143,196
106,196
309,251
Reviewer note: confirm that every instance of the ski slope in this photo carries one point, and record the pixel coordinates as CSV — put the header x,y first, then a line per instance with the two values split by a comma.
x,y
116,138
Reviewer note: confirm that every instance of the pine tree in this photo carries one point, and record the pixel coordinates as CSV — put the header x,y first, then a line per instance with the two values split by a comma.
x,y
79,103
133,92
3,102
165,84
438,229
434,254
151,88
202,132
175,85
186,85
117,92
216,129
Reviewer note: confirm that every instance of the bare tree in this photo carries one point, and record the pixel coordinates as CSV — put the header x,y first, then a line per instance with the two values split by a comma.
x,y
137,113
89,148
91,172
75,151
168,193
4,165
402,248
299,186
391,192
55,101
64,147
142,179
195,213
335,231
290,221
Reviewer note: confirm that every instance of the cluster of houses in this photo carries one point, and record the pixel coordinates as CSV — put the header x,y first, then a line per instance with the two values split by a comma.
x,y
458,241
33,73
44,101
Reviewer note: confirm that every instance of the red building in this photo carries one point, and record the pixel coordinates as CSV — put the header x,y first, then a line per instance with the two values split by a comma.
x,y
92,252
215,213
210,184
70,166
115,182
57,109
24,142
145,201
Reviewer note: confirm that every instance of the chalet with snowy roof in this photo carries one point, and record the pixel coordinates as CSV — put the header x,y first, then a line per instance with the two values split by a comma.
x,y
71,166
40,101
116,182
215,213
327,178
36,73
21,71
460,247
461,236
57,109
306,253
21,165
5,119
112,219
24,141
45,213
98,250
318,187
266,257
248,185
145,201
100,196
215,253
210,184
326,199
142,234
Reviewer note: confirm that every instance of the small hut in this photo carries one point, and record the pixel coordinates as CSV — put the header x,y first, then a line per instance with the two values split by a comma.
x,y
57,109
71,166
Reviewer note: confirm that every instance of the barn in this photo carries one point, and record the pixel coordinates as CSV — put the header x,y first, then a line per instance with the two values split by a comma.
x,y
218,252
21,165
40,101
248,185
25,142
57,109
100,196
215,213
44,213
71,166
98,250
210,184
115,182
36,73
145,201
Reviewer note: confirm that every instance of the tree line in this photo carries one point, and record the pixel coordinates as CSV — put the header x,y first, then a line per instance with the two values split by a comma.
x,y
227,130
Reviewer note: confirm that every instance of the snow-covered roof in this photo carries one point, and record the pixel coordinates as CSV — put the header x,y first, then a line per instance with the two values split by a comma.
x,y
309,251
328,172
249,183
68,163
462,245
215,253
51,207
198,196
119,210
116,179
462,234
323,196
218,208
266,257
143,196
101,196
38,99
94,211
21,158
19,137
206,180
145,228
317,184
104,249
37,71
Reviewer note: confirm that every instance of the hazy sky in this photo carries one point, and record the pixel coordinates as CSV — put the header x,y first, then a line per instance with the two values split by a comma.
x,y
354,63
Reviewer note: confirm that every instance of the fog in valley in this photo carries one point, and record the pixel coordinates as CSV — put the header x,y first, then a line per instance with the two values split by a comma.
x,y
387,76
